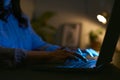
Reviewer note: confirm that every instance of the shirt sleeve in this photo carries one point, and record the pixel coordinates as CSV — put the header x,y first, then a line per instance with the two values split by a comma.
x,y
39,43
19,55
10,57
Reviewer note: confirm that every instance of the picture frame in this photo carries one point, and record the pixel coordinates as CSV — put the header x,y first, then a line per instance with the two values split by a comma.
x,y
71,34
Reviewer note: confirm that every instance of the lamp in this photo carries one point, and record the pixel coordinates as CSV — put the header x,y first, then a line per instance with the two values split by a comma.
x,y
102,17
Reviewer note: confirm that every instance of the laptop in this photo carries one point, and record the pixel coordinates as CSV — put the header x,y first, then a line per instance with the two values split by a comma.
x,y
107,49
109,42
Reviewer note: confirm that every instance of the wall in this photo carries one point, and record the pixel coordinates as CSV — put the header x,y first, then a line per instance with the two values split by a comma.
x,y
28,7
70,11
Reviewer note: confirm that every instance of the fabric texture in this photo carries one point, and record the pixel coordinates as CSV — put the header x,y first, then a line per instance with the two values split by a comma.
x,y
13,36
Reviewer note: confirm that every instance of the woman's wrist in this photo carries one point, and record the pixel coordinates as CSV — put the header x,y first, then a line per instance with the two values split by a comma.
x,y
37,57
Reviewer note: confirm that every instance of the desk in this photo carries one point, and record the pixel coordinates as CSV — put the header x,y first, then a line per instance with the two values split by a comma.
x,y
31,74
116,59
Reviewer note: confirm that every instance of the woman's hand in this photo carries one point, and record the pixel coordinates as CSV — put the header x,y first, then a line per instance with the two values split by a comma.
x,y
60,56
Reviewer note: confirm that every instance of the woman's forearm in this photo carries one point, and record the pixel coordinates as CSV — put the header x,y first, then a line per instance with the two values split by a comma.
x,y
35,57
46,57
19,56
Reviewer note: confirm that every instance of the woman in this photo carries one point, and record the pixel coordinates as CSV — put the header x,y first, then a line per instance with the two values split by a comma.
x,y
27,47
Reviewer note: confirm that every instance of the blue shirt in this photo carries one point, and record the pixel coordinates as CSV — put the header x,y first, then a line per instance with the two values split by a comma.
x,y
20,38
14,36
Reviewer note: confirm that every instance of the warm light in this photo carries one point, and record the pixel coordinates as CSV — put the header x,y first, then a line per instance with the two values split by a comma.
x,y
101,19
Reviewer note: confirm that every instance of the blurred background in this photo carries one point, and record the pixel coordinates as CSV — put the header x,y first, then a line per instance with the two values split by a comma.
x,y
72,23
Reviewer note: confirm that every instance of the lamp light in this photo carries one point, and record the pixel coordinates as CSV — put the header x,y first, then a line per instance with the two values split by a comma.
x,y
102,17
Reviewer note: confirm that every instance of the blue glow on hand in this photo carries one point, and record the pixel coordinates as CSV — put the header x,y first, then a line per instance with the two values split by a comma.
x,y
92,52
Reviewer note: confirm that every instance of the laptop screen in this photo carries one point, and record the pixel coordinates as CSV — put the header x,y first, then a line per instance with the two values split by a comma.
x,y
111,36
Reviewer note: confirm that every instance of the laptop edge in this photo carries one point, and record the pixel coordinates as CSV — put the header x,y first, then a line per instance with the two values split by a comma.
x,y
111,36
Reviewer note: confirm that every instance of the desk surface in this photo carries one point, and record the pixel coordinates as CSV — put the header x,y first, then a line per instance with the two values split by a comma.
x,y
34,74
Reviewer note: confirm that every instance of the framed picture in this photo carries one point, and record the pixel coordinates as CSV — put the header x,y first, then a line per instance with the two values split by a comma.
x,y
71,35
